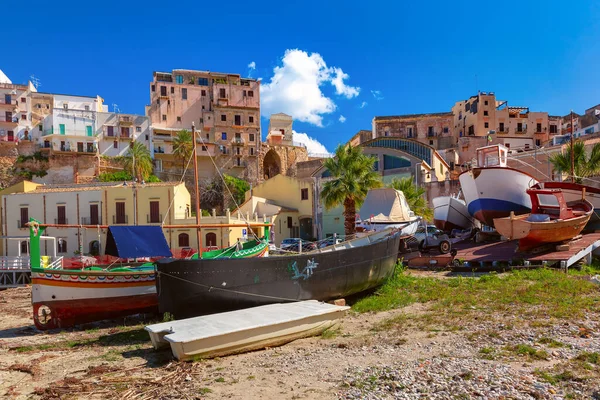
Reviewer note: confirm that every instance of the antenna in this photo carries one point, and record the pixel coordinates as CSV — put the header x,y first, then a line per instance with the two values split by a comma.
x,y
116,108
36,82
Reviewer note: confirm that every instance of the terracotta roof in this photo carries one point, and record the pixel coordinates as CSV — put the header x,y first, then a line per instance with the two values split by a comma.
x,y
440,114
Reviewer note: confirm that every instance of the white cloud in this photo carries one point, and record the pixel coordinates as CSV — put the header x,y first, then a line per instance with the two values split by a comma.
x,y
340,87
377,94
252,65
313,146
363,104
295,87
342,119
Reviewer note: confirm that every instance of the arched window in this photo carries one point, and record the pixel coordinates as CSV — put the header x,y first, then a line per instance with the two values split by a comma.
x,y
61,245
211,239
24,247
184,240
94,248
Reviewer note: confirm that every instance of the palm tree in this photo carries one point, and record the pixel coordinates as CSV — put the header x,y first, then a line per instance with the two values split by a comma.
x,y
585,165
138,161
183,147
353,178
415,196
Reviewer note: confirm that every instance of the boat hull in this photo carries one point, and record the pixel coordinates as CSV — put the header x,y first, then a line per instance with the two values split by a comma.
x,y
451,213
63,298
573,192
494,192
187,288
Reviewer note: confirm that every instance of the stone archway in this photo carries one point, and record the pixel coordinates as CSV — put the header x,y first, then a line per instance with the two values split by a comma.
x,y
271,164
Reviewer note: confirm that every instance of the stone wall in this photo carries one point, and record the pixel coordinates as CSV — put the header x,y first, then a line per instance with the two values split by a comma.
x,y
279,159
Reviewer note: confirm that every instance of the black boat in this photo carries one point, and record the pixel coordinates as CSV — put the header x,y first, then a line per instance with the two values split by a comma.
x,y
188,288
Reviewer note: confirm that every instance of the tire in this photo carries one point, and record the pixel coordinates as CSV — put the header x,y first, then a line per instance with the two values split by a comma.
x,y
444,247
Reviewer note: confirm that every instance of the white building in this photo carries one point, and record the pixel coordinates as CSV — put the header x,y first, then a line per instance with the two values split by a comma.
x,y
15,110
115,132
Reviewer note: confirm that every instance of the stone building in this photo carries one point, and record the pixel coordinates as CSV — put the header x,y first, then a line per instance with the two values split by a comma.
x,y
434,129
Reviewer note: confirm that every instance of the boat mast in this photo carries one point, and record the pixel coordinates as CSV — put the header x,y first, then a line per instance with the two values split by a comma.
x,y
197,190
572,150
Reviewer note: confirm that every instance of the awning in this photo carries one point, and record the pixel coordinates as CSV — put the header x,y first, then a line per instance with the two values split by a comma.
x,y
136,242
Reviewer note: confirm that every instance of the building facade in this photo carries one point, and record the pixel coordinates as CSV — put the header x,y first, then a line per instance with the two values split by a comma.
x,y
115,133
15,112
280,129
434,129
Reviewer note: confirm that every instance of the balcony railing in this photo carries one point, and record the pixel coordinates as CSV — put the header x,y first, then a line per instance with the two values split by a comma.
x,y
61,221
431,134
122,220
503,130
521,132
8,139
12,103
238,141
22,224
90,221
154,219
125,120
11,120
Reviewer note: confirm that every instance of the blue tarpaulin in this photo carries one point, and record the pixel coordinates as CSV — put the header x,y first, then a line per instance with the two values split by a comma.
x,y
136,242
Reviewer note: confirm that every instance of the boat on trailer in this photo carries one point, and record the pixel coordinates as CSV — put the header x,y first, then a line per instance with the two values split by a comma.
x,y
492,189
188,288
552,219
450,213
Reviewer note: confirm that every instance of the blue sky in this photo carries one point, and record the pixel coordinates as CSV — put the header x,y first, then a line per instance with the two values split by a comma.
x,y
415,56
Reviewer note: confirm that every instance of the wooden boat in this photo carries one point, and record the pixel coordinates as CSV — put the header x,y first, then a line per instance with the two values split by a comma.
x,y
188,288
492,189
574,191
450,212
239,331
552,219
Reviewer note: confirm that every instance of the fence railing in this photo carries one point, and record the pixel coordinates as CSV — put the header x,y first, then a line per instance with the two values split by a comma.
x,y
121,220
154,219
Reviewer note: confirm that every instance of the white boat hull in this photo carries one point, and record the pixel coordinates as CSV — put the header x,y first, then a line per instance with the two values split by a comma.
x,y
495,192
406,228
451,213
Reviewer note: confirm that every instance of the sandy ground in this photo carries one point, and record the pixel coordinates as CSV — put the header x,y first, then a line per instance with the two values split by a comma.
x,y
115,359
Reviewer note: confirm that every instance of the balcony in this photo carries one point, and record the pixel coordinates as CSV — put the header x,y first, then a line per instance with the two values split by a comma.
x,y
22,224
539,132
11,121
90,221
125,120
503,131
9,105
7,138
238,141
123,219
154,219
61,221
431,134
521,132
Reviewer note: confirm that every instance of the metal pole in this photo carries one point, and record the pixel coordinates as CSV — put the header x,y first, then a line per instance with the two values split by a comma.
x,y
197,191
572,150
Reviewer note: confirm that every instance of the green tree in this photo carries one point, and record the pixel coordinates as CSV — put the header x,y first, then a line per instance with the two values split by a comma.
x,y
586,165
138,162
183,147
415,197
353,177
238,188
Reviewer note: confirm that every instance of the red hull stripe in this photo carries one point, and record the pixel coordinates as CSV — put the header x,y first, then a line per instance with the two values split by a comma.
x,y
96,284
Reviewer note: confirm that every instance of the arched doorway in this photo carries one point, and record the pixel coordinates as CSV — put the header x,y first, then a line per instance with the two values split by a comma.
x,y
94,248
210,239
24,247
184,240
271,164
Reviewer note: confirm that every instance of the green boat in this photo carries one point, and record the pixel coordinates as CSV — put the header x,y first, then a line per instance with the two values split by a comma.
x,y
249,249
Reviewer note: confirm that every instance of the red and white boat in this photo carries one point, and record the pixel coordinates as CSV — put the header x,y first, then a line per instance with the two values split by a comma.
x,y
552,219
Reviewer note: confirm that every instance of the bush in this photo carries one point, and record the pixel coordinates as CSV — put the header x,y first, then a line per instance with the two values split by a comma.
x,y
122,176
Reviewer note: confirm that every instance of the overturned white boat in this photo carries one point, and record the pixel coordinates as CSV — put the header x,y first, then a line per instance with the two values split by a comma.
x,y
386,208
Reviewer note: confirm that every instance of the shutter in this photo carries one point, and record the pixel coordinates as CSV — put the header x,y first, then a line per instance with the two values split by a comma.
x,y
120,212
24,216
94,220
110,131
154,212
62,214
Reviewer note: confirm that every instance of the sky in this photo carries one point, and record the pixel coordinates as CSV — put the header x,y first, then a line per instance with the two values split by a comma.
x,y
332,65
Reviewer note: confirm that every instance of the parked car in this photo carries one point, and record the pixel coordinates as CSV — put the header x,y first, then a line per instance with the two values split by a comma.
x,y
286,243
328,242
429,237
306,246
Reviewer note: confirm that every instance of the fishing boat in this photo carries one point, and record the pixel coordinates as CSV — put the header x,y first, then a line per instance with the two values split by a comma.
x,y
574,191
450,212
492,189
188,288
386,208
552,219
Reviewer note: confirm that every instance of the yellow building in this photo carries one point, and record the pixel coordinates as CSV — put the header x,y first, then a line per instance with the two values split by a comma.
x,y
287,202
21,187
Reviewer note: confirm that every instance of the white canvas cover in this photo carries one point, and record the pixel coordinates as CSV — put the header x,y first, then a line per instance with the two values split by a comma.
x,y
385,205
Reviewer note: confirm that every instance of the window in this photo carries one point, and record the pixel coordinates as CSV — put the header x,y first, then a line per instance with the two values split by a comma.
x,y
520,127
237,120
553,129
223,135
289,222
222,93
430,131
164,117
172,89
138,128
460,115
210,239
87,108
110,131
410,131
486,103
153,88
445,129
115,145
303,194
61,214
24,217
178,119
251,151
204,148
40,128
94,215
184,94
120,217
24,247
486,125
154,217
538,142
251,119
203,82
61,245
386,133
431,142
223,117
251,137
485,113
23,116
238,161
203,92
471,130
147,138
66,106
538,127
62,129
23,99
179,79
163,90
250,93
183,240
